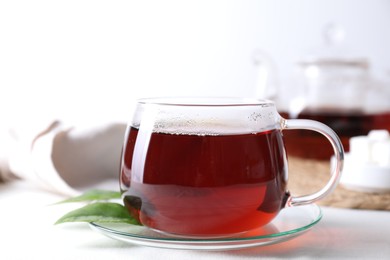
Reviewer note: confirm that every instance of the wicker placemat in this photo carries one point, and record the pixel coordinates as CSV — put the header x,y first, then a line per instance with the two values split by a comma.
x,y
307,176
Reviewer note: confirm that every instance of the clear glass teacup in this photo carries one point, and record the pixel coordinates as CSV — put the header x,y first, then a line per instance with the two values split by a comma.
x,y
211,167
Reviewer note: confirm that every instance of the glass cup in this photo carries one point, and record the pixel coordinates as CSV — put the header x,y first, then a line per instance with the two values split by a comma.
x,y
211,167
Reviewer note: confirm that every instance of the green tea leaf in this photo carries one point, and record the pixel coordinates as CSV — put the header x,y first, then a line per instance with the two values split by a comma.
x,y
103,212
94,195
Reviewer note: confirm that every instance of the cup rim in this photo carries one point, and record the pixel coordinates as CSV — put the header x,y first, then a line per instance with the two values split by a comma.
x,y
205,101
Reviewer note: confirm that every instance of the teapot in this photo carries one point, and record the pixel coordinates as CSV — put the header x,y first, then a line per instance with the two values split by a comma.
x,y
335,89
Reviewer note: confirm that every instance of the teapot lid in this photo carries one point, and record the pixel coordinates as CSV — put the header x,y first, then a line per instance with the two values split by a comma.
x,y
336,61
334,52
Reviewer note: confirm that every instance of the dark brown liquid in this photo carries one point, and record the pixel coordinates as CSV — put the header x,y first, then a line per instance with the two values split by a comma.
x,y
206,185
309,144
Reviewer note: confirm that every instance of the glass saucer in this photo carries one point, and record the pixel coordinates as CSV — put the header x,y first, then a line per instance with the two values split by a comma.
x,y
290,223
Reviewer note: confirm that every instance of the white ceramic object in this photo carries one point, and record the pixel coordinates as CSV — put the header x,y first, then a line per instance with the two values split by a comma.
x,y
367,165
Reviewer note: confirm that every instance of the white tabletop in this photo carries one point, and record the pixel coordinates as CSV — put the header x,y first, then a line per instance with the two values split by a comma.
x,y
27,232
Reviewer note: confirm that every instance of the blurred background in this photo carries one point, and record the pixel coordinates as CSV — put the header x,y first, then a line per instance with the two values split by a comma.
x,y
88,60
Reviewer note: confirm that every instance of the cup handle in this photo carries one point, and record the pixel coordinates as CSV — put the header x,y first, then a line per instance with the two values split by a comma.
x,y
289,124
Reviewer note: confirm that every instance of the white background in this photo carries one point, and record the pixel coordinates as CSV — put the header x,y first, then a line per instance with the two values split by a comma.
x,y
89,60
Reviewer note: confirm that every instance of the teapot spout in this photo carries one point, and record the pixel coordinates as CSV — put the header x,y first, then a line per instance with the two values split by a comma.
x,y
266,76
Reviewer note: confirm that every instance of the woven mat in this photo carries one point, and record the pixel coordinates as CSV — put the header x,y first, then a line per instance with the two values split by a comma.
x,y
307,176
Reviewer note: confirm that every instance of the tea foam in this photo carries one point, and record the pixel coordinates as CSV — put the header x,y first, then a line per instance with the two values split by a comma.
x,y
198,121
